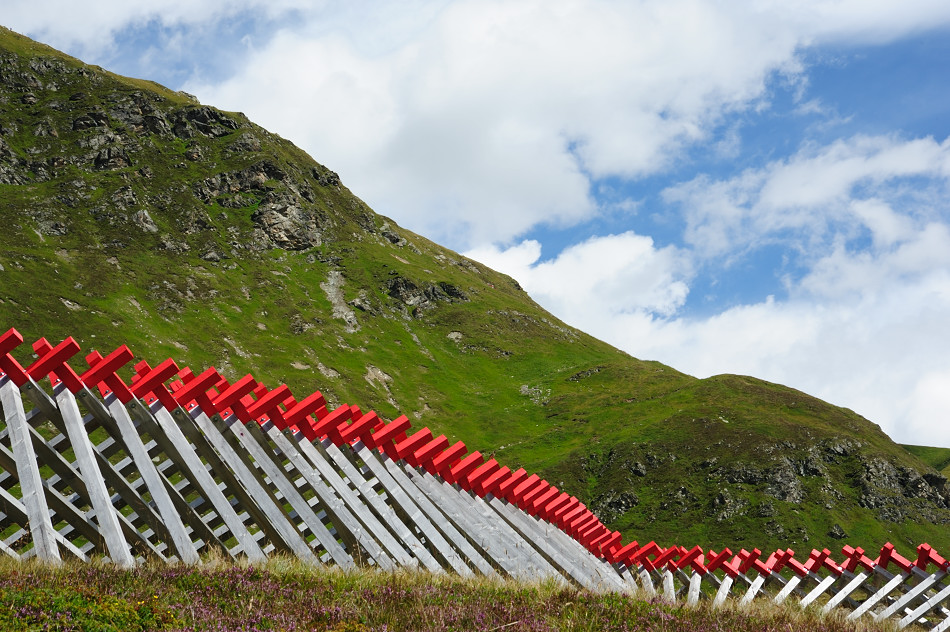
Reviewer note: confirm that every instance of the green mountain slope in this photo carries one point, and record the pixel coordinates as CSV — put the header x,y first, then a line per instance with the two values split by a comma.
x,y
937,458
132,214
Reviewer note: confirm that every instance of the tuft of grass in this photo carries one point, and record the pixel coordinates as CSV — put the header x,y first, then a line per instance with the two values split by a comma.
x,y
284,594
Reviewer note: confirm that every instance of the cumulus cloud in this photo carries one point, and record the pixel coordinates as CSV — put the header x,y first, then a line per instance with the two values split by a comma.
x,y
818,193
883,353
884,356
615,275
92,28
475,121
497,116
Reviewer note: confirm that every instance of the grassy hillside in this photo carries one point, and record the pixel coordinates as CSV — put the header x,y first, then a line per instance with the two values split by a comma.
x,y
937,458
133,214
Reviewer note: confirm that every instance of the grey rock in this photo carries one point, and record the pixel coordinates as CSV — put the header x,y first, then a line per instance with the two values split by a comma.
x,y
111,158
246,142
613,504
287,225
783,483
727,507
325,177
204,120
144,221
837,532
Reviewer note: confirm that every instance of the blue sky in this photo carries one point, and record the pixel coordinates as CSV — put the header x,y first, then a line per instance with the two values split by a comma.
x,y
744,187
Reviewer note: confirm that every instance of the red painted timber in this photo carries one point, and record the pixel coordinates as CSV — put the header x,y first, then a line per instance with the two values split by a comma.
x,y
52,361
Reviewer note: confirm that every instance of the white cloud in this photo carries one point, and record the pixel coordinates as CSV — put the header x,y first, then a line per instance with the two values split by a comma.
x,y
928,404
882,353
91,28
496,115
817,194
476,120
598,280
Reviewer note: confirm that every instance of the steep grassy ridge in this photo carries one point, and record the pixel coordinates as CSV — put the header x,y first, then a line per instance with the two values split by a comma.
x,y
132,214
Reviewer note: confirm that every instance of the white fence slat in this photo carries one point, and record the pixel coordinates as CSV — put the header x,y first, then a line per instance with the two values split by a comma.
x,y
207,486
908,597
344,516
925,607
288,490
289,538
426,517
386,514
106,515
184,547
28,473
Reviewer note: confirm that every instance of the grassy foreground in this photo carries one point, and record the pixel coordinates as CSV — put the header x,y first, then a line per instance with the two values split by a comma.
x,y
286,595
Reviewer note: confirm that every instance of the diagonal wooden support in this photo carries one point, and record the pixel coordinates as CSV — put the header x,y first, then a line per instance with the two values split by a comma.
x,y
52,362
343,459
422,515
28,473
287,458
273,517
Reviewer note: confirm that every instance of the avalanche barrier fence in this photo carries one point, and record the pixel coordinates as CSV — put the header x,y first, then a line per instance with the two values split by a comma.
x,y
174,465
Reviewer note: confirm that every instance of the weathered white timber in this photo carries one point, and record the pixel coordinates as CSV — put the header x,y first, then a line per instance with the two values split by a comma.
x,y
669,590
695,589
154,482
925,607
423,515
753,590
337,507
106,516
910,596
629,581
482,525
377,504
276,517
275,473
69,509
818,590
788,589
198,513
125,491
192,466
609,579
17,512
205,445
723,591
646,582
856,582
28,472
546,541
475,555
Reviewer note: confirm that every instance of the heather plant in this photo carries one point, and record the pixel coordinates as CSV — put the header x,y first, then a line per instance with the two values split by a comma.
x,y
286,595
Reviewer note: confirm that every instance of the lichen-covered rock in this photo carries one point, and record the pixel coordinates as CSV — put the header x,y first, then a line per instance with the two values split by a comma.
x,y
613,504
286,224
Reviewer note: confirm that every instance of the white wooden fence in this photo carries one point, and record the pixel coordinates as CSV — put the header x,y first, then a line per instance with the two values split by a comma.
x,y
173,465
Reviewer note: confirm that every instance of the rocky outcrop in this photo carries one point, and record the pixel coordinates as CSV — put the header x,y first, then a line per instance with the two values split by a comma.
x,y
614,504
286,225
415,297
